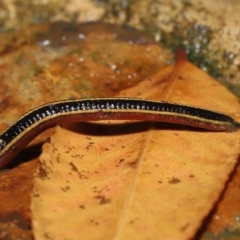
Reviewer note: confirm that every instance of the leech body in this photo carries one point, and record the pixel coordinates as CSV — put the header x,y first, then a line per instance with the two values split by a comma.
x,y
17,136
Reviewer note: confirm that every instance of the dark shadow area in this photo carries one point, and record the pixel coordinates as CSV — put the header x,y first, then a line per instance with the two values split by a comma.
x,y
17,218
25,155
100,129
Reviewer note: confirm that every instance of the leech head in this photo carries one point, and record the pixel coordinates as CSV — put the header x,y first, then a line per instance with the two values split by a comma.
x,y
235,126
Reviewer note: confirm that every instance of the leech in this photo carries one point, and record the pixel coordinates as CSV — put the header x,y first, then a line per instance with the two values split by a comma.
x,y
17,136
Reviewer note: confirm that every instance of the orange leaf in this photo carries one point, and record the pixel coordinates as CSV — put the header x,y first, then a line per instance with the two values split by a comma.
x,y
139,180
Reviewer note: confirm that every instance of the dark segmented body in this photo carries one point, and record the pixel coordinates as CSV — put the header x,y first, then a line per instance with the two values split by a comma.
x,y
30,125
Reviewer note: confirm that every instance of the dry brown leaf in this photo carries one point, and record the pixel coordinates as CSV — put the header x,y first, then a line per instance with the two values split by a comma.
x,y
129,182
